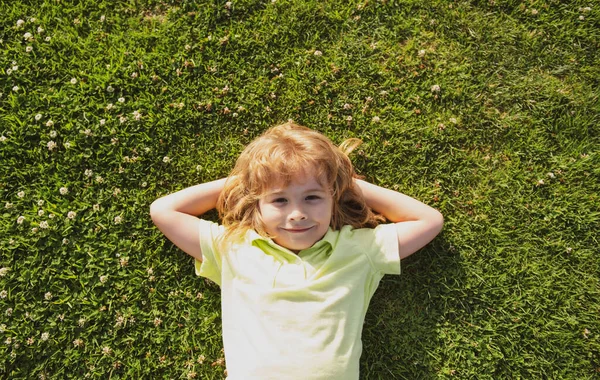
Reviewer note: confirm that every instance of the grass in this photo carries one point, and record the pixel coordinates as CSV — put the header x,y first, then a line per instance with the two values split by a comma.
x,y
507,150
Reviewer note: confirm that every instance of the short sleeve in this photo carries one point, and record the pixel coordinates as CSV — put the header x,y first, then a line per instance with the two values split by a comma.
x,y
384,253
211,264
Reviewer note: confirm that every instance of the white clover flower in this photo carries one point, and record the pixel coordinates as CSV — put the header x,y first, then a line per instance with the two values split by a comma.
x,y
435,88
383,93
453,120
318,53
347,106
534,12
540,182
121,100
3,294
103,279
65,241
45,336
99,179
40,212
122,119
349,118
8,205
49,123
582,17
28,49
421,53
102,18
47,39
4,271
21,194
114,140
134,75
73,80
228,5
109,106
102,121
51,216
9,311
106,350
27,36
40,30
53,134
96,207
40,203
88,173
63,190
551,175
8,71
44,224
144,184
110,88
187,47
376,119
15,88
166,159
87,132
116,191
67,145
48,296
71,214
33,19
118,219
20,23
3,138
38,117
78,343
120,321
20,219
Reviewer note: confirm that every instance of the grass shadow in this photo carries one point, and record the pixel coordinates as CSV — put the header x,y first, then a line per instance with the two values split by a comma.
x,y
404,324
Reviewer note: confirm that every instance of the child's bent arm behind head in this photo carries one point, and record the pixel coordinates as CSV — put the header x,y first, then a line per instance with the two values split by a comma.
x,y
175,214
416,223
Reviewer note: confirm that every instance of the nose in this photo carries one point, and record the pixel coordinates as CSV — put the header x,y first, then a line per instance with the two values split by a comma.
x,y
297,214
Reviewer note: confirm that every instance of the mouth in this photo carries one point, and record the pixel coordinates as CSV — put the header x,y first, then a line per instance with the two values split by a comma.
x,y
296,230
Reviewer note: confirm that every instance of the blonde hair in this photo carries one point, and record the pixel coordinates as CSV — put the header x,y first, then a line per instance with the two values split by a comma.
x,y
276,157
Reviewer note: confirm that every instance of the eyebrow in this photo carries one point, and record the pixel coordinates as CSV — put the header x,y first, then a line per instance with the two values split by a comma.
x,y
315,190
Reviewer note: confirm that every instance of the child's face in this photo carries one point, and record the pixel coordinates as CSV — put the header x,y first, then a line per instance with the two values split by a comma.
x,y
297,215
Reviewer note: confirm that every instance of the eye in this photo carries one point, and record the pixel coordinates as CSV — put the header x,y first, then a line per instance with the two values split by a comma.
x,y
279,200
313,197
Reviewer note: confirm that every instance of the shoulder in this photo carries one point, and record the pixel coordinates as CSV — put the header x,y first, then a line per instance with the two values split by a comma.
x,y
379,244
368,235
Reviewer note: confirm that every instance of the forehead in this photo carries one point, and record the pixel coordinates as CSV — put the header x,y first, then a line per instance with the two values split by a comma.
x,y
304,180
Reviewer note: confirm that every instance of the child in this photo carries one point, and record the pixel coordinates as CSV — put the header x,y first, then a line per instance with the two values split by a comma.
x,y
299,253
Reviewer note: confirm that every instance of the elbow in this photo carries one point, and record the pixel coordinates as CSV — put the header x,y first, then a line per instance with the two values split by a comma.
x,y
156,208
440,221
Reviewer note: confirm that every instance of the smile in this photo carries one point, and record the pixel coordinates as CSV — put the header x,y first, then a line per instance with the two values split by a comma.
x,y
297,230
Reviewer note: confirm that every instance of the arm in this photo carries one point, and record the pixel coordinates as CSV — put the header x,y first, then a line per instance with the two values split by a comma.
x,y
416,223
175,214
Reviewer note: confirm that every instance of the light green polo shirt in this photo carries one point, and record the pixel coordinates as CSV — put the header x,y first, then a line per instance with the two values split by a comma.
x,y
288,316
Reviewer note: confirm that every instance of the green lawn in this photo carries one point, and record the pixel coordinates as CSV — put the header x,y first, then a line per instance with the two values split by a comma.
x,y
486,110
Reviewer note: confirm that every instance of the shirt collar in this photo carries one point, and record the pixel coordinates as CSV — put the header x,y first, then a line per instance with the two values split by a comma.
x,y
330,239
